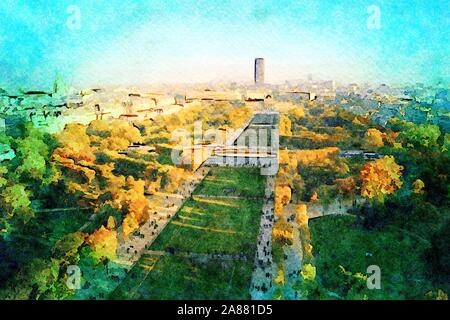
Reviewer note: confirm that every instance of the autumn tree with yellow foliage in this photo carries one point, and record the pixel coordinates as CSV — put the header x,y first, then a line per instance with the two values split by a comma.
x,y
418,186
132,201
103,243
374,138
302,219
380,178
285,126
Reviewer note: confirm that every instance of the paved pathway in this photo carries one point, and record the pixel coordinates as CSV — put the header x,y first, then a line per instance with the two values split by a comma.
x,y
292,264
264,268
130,250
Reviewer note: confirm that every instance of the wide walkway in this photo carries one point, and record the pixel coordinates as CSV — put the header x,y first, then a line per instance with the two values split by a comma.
x,y
264,268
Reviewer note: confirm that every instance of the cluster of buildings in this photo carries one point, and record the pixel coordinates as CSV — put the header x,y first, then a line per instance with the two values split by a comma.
x,y
36,106
126,104
416,103
62,105
52,110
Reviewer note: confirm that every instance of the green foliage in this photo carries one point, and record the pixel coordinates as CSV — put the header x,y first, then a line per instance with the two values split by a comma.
x,y
3,171
439,253
355,284
130,167
399,254
15,201
315,177
399,125
101,217
446,144
422,136
38,280
25,177
32,152
67,247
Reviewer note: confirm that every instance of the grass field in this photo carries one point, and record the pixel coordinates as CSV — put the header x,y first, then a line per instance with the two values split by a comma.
x,y
181,265
228,226
172,277
338,241
246,182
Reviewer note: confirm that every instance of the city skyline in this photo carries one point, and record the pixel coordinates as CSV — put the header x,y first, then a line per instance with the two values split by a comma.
x,y
147,43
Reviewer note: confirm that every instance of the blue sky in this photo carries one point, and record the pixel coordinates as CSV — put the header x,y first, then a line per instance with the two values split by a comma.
x,y
143,42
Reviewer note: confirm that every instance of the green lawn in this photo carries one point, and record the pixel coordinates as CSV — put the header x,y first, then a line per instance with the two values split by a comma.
x,y
338,241
203,226
229,226
181,278
246,182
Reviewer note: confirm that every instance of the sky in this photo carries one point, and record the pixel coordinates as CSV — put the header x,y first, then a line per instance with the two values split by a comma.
x,y
120,42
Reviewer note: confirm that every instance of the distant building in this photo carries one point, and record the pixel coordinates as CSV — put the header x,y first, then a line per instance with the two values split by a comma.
x,y
213,95
329,85
257,95
299,95
259,71
161,99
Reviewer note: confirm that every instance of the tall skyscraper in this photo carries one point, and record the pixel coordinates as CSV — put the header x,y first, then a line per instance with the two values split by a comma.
x,y
259,71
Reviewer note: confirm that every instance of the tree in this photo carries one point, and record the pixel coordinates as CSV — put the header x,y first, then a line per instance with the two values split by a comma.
x,y
346,185
297,113
119,135
422,136
31,165
301,215
33,153
66,248
114,143
280,279
446,144
439,253
380,177
175,177
285,126
132,201
99,128
282,232
36,280
15,200
103,243
418,186
438,295
390,137
374,138
308,272
3,172
76,144
282,198
354,285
